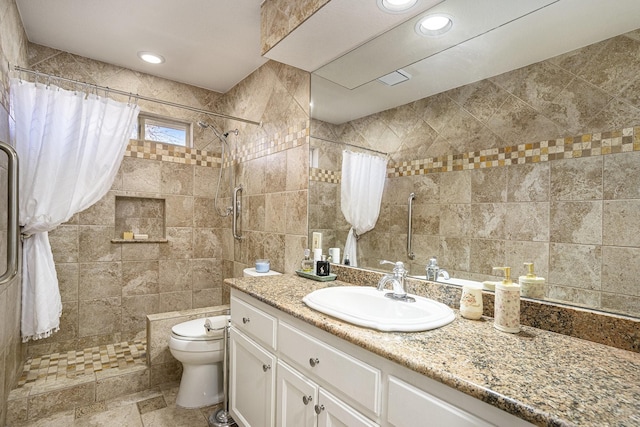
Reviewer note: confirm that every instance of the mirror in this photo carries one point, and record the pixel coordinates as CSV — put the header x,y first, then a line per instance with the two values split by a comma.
x,y
513,139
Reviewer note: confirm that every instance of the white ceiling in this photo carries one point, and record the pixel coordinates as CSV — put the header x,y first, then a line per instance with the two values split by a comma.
x,y
215,44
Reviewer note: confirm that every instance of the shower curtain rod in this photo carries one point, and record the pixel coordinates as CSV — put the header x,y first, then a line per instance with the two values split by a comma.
x,y
132,95
354,146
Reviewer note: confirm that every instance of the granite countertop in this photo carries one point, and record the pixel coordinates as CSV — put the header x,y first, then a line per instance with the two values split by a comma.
x,y
543,377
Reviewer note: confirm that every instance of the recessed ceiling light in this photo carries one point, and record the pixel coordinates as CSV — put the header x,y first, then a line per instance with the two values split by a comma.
x,y
396,6
150,57
434,25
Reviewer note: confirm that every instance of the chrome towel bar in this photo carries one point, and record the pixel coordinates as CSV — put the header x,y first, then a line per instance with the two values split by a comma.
x,y
13,228
410,253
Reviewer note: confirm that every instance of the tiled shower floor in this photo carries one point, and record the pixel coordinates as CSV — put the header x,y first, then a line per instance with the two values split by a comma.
x,y
54,367
107,386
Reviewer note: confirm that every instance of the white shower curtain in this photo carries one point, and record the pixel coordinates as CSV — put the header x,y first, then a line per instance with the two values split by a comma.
x,y
363,179
70,146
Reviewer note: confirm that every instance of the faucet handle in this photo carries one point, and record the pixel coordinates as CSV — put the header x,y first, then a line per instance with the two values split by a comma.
x,y
433,262
399,266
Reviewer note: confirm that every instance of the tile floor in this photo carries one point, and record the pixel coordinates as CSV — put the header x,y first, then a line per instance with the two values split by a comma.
x,y
46,379
155,407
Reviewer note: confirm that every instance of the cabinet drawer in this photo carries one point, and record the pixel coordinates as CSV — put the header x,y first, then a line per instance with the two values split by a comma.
x,y
351,378
409,405
254,322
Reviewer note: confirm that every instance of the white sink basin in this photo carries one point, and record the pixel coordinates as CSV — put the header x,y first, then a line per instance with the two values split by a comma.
x,y
366,306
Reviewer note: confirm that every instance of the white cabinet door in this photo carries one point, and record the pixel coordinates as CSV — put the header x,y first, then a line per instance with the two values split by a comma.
x,y
332,412
410,406
296,398
251,382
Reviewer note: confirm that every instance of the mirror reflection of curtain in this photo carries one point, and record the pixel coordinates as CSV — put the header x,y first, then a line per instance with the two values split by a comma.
x,y
70,146
363,177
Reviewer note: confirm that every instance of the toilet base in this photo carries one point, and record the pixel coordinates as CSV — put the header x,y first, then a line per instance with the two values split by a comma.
x,y
200,386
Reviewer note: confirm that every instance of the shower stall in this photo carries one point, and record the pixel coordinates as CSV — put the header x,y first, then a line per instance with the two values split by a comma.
x,y
226,164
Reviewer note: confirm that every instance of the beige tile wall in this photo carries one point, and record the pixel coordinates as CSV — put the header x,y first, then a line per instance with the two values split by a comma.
x,y
279,17
108,288
13,49
272,165
539,164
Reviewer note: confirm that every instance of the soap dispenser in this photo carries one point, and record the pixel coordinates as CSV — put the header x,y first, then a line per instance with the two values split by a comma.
x,y
307,264
531,285
507,304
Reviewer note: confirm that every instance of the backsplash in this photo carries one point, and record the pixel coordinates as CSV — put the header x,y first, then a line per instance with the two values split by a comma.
x,y
616,331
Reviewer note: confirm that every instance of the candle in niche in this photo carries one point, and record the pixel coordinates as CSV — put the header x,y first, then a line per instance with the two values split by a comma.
x,y
262,266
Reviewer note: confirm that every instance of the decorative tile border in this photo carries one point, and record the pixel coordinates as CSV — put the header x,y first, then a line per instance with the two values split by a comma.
x,y
324,175
296,136
587,145
170,153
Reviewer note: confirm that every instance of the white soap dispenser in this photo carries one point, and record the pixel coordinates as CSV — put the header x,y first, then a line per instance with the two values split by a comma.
x,y
507,304
531,285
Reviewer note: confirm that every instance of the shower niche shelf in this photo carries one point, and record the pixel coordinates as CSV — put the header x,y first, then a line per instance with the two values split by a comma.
x,y
143,215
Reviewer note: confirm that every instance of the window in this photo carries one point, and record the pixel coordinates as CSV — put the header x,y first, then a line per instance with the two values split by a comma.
x,y
164,129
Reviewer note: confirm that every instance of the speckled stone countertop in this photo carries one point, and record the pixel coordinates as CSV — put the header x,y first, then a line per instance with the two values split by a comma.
x,y
543,377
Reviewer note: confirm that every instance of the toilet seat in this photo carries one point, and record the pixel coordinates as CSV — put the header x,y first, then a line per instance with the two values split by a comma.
x,y
194,330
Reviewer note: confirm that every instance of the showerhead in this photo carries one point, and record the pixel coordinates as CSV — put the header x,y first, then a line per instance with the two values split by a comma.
x,y
204,125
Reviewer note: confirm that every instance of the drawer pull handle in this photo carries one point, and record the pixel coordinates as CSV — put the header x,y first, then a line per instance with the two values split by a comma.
x,y
313,361
246,320
306,399
266,367
318,409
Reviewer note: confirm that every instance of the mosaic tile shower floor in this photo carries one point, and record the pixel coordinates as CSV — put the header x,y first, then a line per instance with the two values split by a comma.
x,y
51,367
50,389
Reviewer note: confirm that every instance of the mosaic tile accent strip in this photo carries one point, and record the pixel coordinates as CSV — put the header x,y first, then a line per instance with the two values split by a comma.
x,y
170,153
324,175
587,145
295,137
75,363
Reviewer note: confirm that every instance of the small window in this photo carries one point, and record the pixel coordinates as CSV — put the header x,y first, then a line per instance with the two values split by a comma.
x,y
164,130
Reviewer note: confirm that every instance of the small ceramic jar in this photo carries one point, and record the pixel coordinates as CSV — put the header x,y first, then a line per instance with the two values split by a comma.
x,y
471,302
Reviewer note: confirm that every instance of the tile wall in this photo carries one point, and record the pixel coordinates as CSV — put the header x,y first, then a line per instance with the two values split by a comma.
x,y
272,165
13,49
279,17
539,164
108,287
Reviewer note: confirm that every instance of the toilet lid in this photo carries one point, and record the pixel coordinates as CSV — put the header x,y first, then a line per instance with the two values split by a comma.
x,y
194,329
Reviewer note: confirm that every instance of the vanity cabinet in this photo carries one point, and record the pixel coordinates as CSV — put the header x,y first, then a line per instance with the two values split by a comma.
x,y
251,381
303,403
288,373
252,365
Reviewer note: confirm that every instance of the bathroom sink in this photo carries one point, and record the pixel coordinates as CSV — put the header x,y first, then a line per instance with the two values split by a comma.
x,y
366,306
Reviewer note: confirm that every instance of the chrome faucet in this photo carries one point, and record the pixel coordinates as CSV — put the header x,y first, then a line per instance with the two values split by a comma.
x,y
434,272
397,281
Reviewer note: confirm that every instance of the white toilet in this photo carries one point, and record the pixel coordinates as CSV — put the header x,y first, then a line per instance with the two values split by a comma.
x,y
200,353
